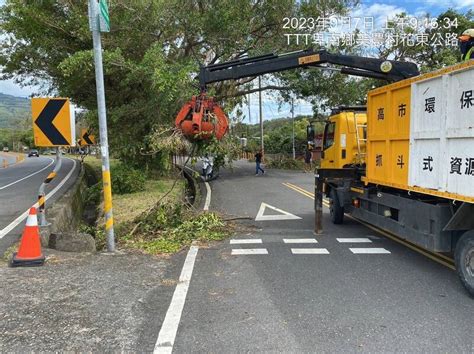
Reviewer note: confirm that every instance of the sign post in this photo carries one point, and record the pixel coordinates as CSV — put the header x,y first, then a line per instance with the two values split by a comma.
x,y
99,21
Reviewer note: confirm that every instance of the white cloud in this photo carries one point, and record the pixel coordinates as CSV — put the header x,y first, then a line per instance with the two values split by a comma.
x,y
463,3
456,4
9,87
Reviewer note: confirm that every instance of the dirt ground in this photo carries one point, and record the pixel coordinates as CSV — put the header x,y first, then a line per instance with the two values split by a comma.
x,y
86,302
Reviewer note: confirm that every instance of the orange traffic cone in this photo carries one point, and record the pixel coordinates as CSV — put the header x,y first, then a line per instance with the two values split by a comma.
x,y
29,253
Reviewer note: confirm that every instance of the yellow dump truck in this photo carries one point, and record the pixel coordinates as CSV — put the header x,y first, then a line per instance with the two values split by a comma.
x,y
405,163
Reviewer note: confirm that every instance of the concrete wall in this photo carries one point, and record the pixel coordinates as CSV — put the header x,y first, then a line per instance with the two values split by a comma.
x,y
65,214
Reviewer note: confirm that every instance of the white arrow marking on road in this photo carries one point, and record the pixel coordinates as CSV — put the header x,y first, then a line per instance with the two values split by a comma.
x,y
284,215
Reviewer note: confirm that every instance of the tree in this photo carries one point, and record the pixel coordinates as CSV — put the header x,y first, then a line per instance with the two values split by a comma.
x,y
151,54
431,56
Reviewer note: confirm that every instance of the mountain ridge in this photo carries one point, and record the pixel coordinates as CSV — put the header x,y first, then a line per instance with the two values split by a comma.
x,y
13,110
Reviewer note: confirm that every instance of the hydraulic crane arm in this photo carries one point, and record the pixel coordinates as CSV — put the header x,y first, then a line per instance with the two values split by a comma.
x,y
201,118
352,65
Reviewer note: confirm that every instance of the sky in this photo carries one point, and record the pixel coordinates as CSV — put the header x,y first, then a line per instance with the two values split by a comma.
x,y
378,9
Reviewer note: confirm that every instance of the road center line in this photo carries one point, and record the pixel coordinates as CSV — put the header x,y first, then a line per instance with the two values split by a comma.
x,y
23,216
167,335
22,179
245,241
300,240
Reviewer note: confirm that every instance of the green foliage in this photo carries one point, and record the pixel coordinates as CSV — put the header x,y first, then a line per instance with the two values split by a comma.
x,y
431,57
93,194
151,56
15,138
126,179
171,226
326,90
278,135
223,152
284,163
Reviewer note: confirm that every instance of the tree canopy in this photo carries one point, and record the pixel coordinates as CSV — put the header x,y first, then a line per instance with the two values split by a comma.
x,y
153,52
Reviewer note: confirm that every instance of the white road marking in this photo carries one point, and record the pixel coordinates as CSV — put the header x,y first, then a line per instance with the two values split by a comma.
x,y
300,240
353,240
245,241
167,335
309,251
284,215
30,175
23,216
369,251
208,196
249,251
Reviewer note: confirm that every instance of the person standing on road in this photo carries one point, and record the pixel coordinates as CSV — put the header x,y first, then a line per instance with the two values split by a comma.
x,y
258,161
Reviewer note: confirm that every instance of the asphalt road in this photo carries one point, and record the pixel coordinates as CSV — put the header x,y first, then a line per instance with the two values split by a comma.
x,y
19,191
296,295
6,159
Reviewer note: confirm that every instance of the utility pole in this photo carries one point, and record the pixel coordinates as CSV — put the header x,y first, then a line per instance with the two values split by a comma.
x,y
261,113
99,21
293,123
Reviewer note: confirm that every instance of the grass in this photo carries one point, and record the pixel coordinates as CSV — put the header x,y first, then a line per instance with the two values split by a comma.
x,y
127,207
9,252
141,223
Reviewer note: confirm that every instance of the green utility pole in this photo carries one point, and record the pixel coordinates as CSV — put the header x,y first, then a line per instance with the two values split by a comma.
x,y
99,21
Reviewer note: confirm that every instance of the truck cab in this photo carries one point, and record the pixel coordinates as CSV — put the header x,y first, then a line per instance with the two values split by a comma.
x,y
344,138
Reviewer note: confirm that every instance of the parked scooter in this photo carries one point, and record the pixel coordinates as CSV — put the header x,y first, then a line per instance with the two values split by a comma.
x,y
207,168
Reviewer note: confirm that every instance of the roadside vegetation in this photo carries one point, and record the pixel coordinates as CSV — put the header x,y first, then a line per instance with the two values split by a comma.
x,y
150,66
284,163
150,212
151,58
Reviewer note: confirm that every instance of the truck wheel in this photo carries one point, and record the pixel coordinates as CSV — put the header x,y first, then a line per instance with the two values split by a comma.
x,y
464,258
335,209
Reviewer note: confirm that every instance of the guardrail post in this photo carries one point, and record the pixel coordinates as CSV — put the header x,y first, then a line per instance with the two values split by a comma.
x,y
41,194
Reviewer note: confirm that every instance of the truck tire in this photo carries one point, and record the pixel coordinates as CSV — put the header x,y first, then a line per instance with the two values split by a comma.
x,y
335,209
464,258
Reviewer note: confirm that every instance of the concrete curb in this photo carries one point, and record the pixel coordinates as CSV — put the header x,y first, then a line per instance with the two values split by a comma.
x,y
196,184
65,214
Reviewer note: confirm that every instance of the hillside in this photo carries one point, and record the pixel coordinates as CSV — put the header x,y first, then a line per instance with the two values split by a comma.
x,y
13,110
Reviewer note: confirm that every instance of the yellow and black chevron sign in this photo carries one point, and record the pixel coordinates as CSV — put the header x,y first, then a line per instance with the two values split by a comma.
x,y
86,138
53,122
